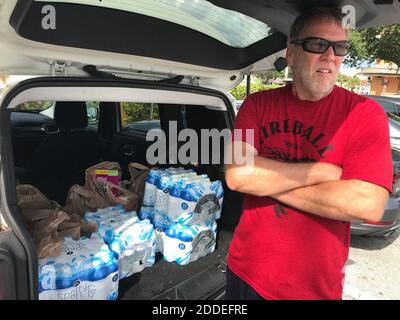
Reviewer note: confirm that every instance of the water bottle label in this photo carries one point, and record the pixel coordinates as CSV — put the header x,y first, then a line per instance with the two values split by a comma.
x,y
105,289
161,200
149,194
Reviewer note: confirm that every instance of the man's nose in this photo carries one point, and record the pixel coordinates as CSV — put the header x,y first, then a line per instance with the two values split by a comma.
x,y
328,54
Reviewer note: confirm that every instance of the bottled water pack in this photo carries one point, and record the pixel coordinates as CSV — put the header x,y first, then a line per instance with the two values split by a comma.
x,y
105,214
85,270
184,244
182,207
146,213
195,201
181,196
153,180
130,239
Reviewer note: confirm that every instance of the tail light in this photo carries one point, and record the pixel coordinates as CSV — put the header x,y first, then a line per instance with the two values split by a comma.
x,y
381,223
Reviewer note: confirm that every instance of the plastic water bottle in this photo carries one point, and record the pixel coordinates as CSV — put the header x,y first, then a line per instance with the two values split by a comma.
x,y
85,270
150,187
217,188
185,244
146,213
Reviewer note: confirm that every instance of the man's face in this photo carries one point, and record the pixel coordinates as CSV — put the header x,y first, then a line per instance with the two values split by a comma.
x,y
314,75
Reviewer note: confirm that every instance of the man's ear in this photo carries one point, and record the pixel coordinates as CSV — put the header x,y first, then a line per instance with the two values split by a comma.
x,y
289,55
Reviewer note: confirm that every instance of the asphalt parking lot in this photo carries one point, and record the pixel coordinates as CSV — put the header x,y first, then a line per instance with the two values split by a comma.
x,y
373,268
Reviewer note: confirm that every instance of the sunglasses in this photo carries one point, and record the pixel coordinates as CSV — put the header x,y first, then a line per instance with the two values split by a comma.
x,y
320,45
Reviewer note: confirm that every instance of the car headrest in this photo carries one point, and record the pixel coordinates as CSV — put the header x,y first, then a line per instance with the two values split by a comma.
x,y
70,115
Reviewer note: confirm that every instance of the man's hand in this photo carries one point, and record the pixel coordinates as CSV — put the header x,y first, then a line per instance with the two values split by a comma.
x,y
260,176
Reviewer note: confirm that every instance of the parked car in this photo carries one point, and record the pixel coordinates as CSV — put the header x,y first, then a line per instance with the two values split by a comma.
x,y
179,57
394,130
393,98
390,104
238,103
144,125
392,109
391,217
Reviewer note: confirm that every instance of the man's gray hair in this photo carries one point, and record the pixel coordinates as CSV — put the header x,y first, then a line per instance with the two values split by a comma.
x,y
334,15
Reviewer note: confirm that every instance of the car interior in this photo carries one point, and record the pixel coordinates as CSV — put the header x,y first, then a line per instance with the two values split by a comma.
x,y
59,157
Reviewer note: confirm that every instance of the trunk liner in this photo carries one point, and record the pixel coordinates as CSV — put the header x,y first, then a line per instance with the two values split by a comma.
x,y
168,280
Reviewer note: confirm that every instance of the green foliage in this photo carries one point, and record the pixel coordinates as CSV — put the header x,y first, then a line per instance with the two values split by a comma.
x,y
133,111
269,75
34,106
370,44
239,92
348,82
94,104
353,83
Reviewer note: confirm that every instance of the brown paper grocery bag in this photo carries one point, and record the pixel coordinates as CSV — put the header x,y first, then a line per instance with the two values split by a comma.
x,y
138,173
81,200
127,198
94,183
50,246
31,198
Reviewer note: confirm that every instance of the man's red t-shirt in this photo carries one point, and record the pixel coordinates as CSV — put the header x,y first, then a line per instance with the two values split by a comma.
x,y
285,253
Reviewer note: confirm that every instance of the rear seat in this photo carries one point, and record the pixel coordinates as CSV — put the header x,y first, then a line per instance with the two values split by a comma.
x,y
62,158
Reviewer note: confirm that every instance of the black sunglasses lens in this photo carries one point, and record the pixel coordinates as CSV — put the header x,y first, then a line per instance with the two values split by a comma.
x,y
341,48
321,45
316,45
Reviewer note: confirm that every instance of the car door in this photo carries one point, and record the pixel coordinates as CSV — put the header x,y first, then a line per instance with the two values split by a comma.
x,y
14,276
18,265
18,258
29,128
129,142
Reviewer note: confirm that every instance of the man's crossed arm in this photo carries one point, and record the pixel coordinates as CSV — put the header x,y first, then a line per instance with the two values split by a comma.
x,y
311,187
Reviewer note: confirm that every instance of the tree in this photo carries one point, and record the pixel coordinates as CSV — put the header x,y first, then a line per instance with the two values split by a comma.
x,y
34,106
348,82
269,75
380,43
342,79
133,111
239,92
353,82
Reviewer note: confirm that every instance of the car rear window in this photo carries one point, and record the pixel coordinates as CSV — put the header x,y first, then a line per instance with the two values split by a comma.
x,y
139,116
229,27
34,106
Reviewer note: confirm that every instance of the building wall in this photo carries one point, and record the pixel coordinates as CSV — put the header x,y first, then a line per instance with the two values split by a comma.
x,y
392,85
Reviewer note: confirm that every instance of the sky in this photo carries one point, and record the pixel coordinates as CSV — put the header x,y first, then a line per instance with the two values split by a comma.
x,y
349,71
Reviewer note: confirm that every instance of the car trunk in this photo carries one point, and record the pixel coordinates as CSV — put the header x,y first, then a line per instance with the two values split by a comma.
x,y
204,109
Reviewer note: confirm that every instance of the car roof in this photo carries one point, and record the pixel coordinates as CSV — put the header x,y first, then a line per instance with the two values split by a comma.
x,y
386,99
123,38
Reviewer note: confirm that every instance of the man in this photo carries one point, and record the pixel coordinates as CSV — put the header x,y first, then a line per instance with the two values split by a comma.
x,y
321,160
